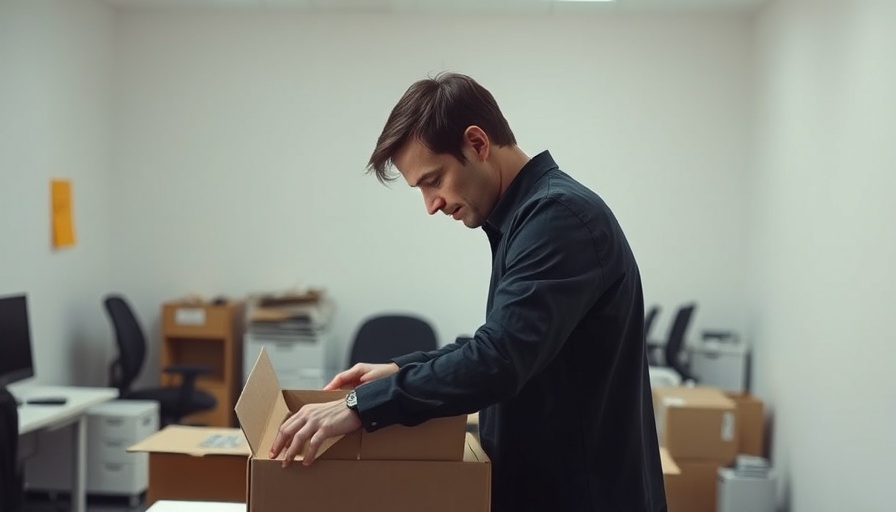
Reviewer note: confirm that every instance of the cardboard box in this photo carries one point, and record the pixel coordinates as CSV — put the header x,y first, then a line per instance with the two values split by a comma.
x,y
196,463
434,466
694,488
668,463
751,423
697,423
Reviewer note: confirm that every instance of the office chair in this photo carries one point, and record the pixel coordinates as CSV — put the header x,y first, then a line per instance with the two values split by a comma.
x,y
175,402
384,337
11,482
649,319
676,341
652,346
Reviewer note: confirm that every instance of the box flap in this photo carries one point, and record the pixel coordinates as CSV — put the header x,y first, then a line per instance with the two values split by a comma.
x,y
668,463
435,439
196,441
261,404
473,451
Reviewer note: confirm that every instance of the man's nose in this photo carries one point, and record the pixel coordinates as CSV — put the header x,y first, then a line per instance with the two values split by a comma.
x,y
434,204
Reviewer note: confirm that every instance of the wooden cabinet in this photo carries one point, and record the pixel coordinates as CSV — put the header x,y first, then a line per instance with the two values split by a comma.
x,y
210,335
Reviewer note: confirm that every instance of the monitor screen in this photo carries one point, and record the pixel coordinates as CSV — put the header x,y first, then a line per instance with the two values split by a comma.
x,y
15,340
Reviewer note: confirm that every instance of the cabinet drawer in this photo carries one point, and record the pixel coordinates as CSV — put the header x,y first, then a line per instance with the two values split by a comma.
x,y
198,321
122,427
117,478
114,450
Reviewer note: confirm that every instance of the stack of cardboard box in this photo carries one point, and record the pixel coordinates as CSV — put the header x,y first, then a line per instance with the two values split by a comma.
x,y
703,429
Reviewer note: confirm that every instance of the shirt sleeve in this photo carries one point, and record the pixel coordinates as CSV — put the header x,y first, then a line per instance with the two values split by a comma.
x,y
551,276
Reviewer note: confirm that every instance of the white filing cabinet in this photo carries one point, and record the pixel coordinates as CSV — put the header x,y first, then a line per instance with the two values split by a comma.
x,y
111,427
724,365
301,361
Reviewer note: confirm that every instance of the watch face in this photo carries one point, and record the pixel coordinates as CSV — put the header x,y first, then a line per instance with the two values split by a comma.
x,y
351,400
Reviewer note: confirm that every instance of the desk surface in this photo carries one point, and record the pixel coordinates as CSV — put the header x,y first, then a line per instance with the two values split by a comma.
x,y
195,506
34,417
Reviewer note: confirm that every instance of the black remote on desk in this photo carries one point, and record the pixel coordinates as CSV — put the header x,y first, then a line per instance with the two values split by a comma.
x,y
55,400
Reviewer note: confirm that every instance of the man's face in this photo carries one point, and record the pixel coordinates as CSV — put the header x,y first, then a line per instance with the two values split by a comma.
x,y
467,192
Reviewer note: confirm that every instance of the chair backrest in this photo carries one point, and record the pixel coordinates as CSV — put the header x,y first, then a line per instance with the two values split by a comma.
x,y
382,338
649,319
676,339
130,340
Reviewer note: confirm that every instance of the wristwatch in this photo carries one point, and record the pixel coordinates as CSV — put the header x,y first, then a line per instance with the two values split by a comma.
x,y
351,401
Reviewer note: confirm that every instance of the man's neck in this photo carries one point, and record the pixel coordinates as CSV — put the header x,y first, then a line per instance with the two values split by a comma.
x,y
509,161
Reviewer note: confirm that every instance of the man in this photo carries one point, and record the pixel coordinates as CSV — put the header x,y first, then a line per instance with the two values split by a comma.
x,y
559,369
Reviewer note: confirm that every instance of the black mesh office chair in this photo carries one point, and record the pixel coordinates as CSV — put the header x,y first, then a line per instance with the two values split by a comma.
x,y
676,341
382,338
175,402
649,319
653,347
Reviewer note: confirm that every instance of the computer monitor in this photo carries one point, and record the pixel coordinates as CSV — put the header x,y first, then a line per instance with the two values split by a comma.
x,y
16,360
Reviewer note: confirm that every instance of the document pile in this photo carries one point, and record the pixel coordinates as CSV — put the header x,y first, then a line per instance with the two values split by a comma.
x,y
751,466
293,313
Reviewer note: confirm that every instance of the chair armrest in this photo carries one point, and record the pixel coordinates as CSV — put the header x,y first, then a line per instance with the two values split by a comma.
x,y
188,373
188,370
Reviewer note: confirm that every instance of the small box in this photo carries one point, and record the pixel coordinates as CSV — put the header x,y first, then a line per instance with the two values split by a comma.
x,y
196,463
394,469
696,423
694,488
751,423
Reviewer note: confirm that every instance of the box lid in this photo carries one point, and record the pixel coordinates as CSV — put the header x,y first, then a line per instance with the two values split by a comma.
x,y
196,441
692,397
261,408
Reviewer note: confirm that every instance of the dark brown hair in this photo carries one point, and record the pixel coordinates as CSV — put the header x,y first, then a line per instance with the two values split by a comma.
x,y
437,111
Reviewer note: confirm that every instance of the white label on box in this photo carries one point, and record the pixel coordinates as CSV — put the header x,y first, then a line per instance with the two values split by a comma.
x,y
189,316
673,401
728,426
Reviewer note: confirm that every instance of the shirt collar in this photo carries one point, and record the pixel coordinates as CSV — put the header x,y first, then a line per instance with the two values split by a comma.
x,y
518,189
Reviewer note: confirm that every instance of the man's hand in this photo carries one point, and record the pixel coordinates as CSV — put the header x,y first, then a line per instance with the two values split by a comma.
x,y
361,373
313,423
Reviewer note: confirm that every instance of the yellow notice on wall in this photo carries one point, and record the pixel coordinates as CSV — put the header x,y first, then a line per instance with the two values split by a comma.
x,y
63,225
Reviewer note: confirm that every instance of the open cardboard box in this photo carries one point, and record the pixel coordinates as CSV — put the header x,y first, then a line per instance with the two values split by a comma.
x,y
195,463
434,466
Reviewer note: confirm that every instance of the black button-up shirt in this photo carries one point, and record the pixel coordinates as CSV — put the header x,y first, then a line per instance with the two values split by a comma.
x,y
559,368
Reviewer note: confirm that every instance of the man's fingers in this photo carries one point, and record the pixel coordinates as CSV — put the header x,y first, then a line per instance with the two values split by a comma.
x,y
345,378
295,446
313,446
289,428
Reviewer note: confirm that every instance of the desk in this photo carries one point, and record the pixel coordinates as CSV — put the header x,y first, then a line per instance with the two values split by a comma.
x,y
36,417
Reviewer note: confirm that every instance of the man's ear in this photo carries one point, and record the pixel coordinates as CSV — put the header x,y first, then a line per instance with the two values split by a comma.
x,y
477,141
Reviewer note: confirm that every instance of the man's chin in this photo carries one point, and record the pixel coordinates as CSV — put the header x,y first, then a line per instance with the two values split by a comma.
x,y
472,223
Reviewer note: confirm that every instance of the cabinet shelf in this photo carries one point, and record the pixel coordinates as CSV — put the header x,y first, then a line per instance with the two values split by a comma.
x,y
209,335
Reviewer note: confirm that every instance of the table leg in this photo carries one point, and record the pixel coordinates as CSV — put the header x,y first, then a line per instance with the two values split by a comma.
x,y
79,465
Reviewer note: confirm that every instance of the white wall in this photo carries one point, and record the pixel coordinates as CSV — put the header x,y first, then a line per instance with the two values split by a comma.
x,y
55,81
823,284
241,141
